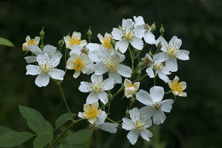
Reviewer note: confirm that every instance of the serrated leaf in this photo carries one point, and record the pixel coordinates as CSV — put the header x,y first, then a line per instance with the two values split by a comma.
x,y
6,42
11,139
4,130
34,118
79,137
63,118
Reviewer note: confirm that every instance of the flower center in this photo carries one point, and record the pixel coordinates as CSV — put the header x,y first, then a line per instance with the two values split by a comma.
x,y
130,85
107,42
128,35
146,27
159,66
31,41
97,88
77,64
171,52
111,65
139,125
45,68
75,40
91,112
177,87
157,105
85,50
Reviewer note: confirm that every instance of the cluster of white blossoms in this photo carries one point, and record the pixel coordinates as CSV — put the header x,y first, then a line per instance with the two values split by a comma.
x,y
106,63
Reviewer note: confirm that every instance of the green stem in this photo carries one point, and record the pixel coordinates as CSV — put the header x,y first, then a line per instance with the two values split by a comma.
x,y
132,58
168,92
63,133
64,99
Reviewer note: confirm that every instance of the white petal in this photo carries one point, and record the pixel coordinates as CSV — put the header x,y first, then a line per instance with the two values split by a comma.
x,y
134,114
159,117
127,124
144,97
35,49
163,76
132,136
76,74
37,39
122,45
55,59
137,43
32,70
184,85
109,127
96,78
30,59
171,65
117,34
139,31
146,134
91,98
49,49
103,97
108,84
42,80
167,105
138,20
150,72
183,55
57,74
99,69
149,38
94,56
42,58
175,42
125,71
85,87
157,93
160,57
127,23
182,94
116,78
146,112
101,118
163,42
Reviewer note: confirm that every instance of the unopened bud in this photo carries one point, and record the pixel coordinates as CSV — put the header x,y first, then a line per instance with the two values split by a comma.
x,y
159,45
162,30
132,100
127,112
150,53
42,33
89,33
113,42
61,43
153,27
119,27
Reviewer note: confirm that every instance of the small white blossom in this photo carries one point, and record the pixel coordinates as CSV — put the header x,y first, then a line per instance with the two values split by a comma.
x,y
101,124
130,89
157,68
178,87
91,112
154,101
29,42
78,63
140,121
128,34
74,39
45,69
106,42
111,64
97,88
148,35
171,52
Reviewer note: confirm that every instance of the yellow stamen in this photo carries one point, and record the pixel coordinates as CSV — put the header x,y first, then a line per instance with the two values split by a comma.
x,y
75,40
177,87
130,85
97,88
157,105
31,41
45,68
107,42
77,64
91,112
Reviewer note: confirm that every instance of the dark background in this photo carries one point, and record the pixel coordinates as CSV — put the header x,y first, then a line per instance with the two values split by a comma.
x,y
194,122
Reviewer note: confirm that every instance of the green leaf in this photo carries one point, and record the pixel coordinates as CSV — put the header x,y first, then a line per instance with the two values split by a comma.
x,y
11,139
73,146
35,119
79,137
44,137
40,141
6,42
4,130
63,118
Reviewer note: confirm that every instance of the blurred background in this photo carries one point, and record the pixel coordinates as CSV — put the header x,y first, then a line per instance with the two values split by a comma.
x,y
194,122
